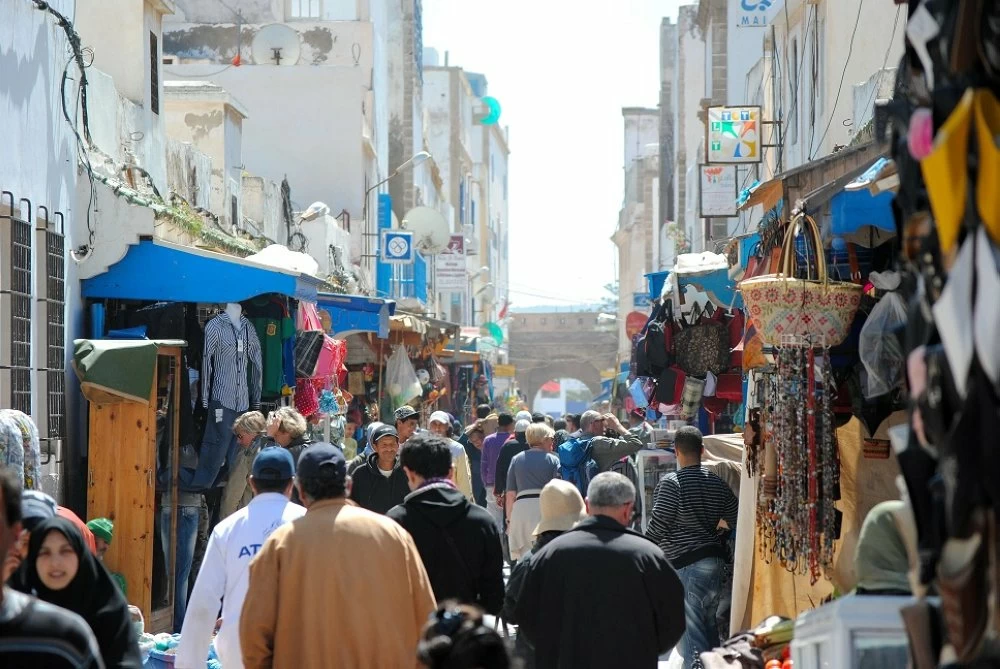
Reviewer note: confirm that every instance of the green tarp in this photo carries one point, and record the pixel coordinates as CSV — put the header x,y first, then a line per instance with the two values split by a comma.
x,y
117,369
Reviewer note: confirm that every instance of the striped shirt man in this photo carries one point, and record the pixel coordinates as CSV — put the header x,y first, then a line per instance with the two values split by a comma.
x,y
687,507
229,349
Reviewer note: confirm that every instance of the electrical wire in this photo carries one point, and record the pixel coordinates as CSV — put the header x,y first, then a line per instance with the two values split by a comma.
x,y
843,75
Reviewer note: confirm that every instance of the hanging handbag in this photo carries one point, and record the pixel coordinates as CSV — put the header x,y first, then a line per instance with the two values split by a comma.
x,y
670,385
782,304
331,357
730,387
702,347
308,346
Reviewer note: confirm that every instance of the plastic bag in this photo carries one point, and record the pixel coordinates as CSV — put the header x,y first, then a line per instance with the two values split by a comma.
x,y
879,347
402,383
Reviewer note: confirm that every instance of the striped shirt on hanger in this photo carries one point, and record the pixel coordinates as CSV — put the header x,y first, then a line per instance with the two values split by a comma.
x,y
687,507
229,349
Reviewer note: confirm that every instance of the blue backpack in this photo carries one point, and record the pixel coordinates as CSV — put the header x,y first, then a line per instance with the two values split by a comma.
x,y
576,464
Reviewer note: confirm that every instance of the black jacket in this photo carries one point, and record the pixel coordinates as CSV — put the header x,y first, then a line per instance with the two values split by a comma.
x,y
469,568
601,595
524,650
507,453
375,492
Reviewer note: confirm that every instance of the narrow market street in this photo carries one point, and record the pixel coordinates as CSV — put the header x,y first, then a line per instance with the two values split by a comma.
x,y
458,334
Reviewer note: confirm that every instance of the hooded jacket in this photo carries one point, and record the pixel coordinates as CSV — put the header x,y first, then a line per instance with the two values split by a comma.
x,y
469,567
375,492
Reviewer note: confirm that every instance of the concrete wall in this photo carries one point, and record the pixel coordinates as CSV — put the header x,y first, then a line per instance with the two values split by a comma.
x,y
316,143
689,131
189,173
32,57
261,203
668,147
262,11
204,115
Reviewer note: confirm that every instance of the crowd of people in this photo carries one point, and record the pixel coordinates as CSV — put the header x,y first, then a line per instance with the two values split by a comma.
x,y
392,557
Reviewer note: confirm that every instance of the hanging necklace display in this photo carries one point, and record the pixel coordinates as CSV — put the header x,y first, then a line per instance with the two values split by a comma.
x,y
799,525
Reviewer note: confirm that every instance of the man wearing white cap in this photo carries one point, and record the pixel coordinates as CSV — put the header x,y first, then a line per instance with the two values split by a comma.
x,y
440,424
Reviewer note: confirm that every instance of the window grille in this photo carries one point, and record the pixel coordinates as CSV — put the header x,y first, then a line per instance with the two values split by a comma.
x,y
15,312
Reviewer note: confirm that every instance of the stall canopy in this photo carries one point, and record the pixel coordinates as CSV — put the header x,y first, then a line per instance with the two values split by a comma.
x,y
115,370
706,273
357,313
858,215
160,270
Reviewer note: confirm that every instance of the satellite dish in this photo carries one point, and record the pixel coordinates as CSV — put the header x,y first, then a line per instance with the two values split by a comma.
x,y
431,235
276,44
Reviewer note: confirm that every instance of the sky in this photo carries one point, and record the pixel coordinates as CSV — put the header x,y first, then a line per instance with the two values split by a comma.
x,y
562,70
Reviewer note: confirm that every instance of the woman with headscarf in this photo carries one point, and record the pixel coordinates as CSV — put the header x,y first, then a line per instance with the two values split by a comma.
x,y
61,570
881,560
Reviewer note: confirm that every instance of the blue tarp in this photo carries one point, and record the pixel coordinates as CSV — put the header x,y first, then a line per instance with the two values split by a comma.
x,y
851,211
357,313
158,270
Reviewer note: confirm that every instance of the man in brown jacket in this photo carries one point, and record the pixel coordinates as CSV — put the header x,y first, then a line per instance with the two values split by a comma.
x,y
306,608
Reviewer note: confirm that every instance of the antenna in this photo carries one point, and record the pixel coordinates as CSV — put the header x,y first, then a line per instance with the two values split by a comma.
x,y
276,44
431,235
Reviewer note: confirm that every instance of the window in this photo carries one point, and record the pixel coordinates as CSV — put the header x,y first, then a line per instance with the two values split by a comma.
x,y
54,427
234,211
305,9
16,286
154,73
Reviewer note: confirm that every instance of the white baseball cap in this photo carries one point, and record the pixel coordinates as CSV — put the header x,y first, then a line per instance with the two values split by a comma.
x,y
440,417
521,425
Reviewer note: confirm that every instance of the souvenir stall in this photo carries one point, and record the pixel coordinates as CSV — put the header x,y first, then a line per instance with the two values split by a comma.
x,y
943,127
685,366
823,391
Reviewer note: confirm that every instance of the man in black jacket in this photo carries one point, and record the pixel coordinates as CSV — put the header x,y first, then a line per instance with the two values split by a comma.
x,y
380,483
458,541
601,595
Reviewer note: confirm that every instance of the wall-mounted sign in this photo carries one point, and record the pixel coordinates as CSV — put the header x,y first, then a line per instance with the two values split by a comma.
x,y
504,371
733,135
397,247
641,300
717,191
752,13
450,275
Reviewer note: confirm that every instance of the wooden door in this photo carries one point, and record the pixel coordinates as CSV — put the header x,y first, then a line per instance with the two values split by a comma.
x,y
121,487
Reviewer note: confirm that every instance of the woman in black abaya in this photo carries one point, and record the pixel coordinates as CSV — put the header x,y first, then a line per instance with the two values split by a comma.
x,y
61,570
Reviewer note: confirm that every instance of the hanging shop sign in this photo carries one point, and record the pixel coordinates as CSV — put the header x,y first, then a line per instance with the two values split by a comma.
x,y
717,191
641,300
450,275
753,13
504,371
397,247
733,135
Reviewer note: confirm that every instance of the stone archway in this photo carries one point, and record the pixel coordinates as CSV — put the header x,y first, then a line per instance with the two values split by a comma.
x,y
585,372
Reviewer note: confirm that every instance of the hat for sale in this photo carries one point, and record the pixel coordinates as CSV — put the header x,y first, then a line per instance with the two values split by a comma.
x,y
322,461
384,431
405,412
102,528
36,506
440,417
273,463
521,425
561,505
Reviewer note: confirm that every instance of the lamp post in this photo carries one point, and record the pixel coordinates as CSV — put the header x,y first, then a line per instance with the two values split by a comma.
x,y
415,160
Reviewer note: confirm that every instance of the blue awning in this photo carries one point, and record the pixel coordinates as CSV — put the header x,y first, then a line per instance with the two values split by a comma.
x,y
863,218
357,313
159,270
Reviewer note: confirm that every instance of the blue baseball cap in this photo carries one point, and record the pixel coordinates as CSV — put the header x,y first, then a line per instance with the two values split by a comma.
x,y
273,463
323,460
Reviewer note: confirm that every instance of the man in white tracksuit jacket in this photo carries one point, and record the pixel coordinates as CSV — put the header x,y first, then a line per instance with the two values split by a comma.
x,y
224,575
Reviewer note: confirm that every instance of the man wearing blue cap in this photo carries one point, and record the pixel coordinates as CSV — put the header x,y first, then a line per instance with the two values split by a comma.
x,y
308,607
224,575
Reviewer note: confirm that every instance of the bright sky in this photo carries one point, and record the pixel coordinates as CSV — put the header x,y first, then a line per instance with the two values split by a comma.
x,y
561,70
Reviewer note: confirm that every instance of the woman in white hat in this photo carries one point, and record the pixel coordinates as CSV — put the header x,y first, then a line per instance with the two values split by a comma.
x,y
561,508
528,474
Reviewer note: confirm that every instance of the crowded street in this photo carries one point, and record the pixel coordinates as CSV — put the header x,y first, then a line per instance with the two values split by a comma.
x,y
459,334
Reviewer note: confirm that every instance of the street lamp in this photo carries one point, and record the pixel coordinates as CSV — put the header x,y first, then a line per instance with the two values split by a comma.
x,y
415,160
